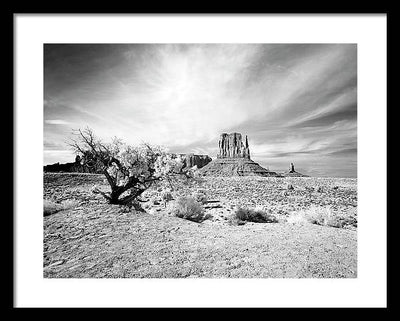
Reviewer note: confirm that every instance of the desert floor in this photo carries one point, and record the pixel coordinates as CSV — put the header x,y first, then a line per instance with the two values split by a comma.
x,y
92,239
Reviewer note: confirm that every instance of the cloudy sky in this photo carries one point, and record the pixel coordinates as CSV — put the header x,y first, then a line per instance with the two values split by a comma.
x,y
296,102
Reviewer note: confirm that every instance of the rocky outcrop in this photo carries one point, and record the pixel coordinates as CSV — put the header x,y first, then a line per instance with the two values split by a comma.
x,y
227,167
233,159
57,167
191,160
70,168
75,167
292,172
232,146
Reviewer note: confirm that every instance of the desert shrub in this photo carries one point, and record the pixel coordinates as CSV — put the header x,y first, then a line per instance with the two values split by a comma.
x,y
235,221
297,218
187,208
254,215
166,196
321,216
200,196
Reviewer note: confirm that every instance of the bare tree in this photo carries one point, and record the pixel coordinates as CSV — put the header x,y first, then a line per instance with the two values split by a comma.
x,y
129,170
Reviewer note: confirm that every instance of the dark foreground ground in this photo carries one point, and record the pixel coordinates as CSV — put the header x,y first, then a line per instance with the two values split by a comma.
x,y
91,239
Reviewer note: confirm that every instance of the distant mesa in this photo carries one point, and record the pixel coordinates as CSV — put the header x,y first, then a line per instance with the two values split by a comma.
x,y
233,159
189,160
75,167
292,172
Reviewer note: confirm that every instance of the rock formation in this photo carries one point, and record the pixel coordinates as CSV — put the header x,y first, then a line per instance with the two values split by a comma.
x,y
75,167
293,173
196,160
233,159
231,146
235,167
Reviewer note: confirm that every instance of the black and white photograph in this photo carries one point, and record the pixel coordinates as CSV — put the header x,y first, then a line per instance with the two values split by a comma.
x,y
200,160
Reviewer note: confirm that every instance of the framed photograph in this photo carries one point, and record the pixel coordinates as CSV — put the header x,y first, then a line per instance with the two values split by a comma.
x,y
205,161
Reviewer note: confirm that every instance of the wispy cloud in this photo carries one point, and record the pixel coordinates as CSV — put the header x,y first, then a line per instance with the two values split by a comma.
x,y
296,102
57,122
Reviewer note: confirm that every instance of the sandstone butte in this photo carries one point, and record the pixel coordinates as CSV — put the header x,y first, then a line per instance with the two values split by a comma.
x,y
234,159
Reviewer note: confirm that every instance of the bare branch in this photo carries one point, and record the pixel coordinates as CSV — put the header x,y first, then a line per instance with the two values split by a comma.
x,y
109,179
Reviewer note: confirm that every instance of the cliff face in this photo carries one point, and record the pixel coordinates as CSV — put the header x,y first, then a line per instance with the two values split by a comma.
x,y
196,160
227,167
232,146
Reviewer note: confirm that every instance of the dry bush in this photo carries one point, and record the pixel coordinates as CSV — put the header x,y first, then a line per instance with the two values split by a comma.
x,y
187,208
166,196
234,221
253,215
297,218
200,196
321,216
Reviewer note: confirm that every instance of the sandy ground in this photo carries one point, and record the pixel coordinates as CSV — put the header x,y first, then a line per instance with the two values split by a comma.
x,y
96,240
